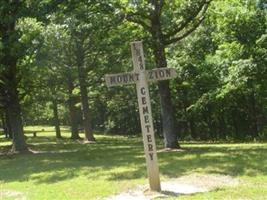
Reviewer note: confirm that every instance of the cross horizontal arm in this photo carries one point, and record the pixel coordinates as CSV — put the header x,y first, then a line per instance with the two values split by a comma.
x,y
121,79
160,74
133,77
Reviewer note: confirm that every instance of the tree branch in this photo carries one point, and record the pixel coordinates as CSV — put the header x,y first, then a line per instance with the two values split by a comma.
x,y
135,18
161,4
200,11
185,34
158,5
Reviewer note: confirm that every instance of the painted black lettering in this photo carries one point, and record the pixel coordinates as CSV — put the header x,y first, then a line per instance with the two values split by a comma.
x,y
143,100
137,77
119,79
161,73
143,91
150,147
139,59
131,78
151,156
149,138
146,117
147,128
140,62
137,51
150,75
145,110
112,79
125,78
168,72
156,74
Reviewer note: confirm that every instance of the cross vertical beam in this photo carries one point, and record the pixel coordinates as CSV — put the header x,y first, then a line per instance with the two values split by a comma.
x,y
141,77
146,116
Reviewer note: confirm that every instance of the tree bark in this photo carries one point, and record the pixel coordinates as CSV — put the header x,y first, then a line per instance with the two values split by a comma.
x,y
56,119
73,111
80,60
10,41
85,105
222,126
14,114
253,115
193,128
4,125
8,126
167,110
168,121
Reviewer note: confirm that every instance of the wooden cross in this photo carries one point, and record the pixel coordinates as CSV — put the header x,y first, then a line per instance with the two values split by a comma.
x,y
141,77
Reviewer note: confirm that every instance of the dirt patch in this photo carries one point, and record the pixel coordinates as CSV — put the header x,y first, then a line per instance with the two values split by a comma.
x,y
89,142
184,185
170,150
8,151
54,152
12,194
9,154
206,181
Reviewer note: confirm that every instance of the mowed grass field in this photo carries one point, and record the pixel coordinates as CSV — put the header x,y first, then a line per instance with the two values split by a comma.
x,y
67,169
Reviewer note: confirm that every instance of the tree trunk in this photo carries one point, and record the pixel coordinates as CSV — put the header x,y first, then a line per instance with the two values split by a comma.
x,y
56,119
235,121
253,115
9,133
8,126
193,128
4,125
168,124
10,40
85,105
222,126
167,110
14,114
80,57
73,111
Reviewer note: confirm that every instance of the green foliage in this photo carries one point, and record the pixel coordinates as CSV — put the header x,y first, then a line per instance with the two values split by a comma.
x,y
221,73
220,91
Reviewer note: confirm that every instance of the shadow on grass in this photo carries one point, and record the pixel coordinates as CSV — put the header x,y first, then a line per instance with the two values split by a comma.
x,y
122,159
54,164
231,161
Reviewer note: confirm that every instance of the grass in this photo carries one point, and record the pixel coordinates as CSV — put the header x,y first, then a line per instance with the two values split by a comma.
x,y
70,170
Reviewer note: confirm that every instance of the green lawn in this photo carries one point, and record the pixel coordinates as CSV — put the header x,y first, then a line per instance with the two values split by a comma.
x,y
71,170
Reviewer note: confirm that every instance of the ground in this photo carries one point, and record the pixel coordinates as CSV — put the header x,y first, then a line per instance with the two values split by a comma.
x,y
176,187
66,169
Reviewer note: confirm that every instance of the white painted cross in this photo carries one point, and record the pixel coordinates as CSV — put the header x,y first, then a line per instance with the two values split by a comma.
x,y
141,77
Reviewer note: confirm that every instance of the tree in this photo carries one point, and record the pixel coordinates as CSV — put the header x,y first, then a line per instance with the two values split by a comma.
x,y
167,23
55,57
10,54
79,45
12,50
222,65
88,26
